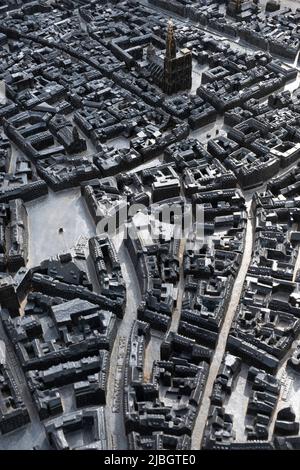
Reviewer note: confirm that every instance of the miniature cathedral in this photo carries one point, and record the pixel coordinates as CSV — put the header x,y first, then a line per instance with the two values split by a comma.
x,y
174,72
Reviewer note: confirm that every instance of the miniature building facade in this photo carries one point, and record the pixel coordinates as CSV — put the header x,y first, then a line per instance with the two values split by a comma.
x,y
175,73
177,67
236,7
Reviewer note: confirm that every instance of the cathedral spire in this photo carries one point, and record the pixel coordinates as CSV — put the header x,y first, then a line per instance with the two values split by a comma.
x,y
171,45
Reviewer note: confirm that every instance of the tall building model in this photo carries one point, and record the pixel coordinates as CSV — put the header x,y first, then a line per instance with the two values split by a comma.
x,y
174,73
240,8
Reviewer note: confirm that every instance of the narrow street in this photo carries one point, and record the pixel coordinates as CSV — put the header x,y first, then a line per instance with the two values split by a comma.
x,y
114,406
221,345
180,287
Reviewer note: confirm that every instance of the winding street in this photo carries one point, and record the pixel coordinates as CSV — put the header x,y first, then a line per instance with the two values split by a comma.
x,y
221,344
114,406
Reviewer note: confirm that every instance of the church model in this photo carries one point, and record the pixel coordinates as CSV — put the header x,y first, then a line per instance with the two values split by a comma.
x,y
174,72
